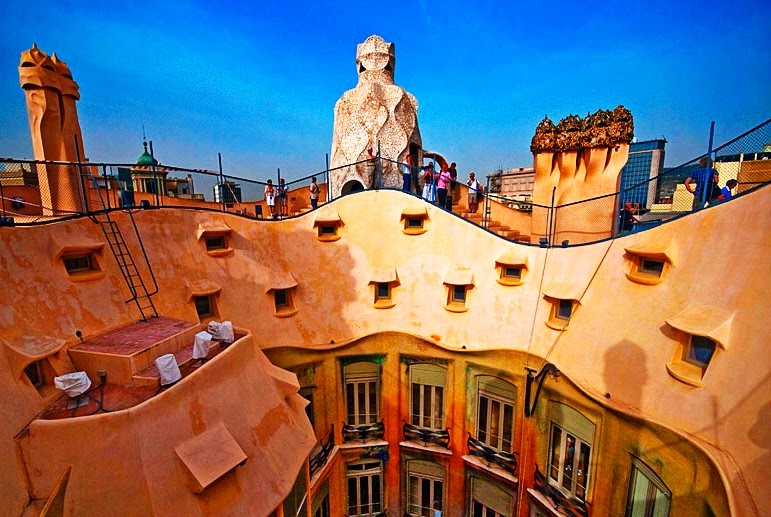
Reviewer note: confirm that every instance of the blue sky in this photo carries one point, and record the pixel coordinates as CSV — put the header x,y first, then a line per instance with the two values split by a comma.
x,y
258,82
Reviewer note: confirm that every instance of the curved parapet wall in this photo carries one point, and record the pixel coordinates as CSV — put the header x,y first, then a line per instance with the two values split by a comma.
x,y
231,412
625,336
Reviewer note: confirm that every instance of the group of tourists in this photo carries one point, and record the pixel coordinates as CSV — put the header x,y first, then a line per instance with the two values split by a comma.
x,y
439,187
703,184
436,187
276,198
708,176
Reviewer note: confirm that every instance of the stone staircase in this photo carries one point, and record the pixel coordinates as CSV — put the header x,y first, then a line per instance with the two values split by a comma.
x,y
496,227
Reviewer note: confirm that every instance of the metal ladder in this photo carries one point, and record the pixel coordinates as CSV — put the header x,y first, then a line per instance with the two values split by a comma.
x,y
140,294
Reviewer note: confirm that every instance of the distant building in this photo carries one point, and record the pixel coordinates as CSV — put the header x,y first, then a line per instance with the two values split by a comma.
x,y
17,174
646,162
150,177
669,179
516,183
227,192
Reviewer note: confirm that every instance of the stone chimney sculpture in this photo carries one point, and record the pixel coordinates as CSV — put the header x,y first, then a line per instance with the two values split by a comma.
x,y
377,110
53,121
576,160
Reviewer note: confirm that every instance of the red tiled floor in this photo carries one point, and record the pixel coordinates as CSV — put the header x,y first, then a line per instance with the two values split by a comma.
x,y
134,338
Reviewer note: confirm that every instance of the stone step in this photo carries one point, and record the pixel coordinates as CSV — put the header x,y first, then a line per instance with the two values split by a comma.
x,y
507,233
510,234
150,374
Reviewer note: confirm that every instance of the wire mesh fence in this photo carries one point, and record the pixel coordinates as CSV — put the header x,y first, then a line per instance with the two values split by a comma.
x,y
33,192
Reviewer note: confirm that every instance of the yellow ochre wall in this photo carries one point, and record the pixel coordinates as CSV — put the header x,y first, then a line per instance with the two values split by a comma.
x,y
617,341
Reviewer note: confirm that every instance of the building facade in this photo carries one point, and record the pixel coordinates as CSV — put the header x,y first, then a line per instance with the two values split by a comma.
x,y
638,177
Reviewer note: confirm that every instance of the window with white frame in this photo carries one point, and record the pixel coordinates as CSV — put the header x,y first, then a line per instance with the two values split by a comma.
x,y
495,412
427,385
425,488
489,499
365,488
361,392
648,495
571,437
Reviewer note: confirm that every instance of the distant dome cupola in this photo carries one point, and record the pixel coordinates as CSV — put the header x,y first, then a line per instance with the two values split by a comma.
x,y
145,158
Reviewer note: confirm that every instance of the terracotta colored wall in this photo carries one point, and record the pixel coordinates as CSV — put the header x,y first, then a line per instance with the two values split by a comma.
x,y
617,333
124,462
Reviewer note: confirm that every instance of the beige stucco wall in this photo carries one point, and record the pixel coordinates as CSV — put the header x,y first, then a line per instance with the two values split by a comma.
x,y
617,341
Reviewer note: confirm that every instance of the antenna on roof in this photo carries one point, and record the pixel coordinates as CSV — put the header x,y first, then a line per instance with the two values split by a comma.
x,y
144,137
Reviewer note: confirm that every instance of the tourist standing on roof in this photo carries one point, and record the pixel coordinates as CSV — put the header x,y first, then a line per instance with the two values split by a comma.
x,y
474,192
628,214
270,198
727,191
407,173
442,184
428,182
283,197
314,190
451,191
704,177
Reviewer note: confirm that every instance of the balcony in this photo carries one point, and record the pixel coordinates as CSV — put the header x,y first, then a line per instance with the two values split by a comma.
x,y
437,437
558,501
321,452
503,460
364,432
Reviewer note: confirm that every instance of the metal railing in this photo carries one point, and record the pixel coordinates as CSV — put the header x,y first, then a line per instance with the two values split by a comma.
x,y
320,453
504,460
570,506
33,192
363,432
414,433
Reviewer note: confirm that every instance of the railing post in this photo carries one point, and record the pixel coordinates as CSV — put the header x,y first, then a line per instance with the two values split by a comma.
x,y
106,186
551,219
486,217
80,175
222,183
707,175
329,185
155,176
378,169
2,194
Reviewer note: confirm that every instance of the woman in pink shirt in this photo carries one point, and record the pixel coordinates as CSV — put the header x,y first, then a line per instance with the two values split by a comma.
x,y
442,184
